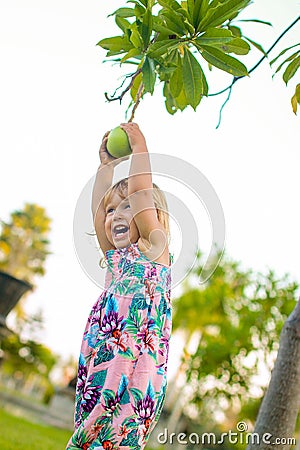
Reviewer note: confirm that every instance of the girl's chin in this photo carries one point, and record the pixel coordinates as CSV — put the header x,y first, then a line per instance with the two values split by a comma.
x,y
121,240
121,237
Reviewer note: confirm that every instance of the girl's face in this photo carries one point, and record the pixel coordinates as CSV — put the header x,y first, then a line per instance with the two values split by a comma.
x,y
120,227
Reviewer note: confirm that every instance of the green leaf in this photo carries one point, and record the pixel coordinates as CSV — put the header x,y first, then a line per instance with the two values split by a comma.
x,y
290,58
192,79
217,15
135,37
224,40
176,80
200,10
165,73
147,26
256,45
283,52
297,92
224,62
122,23
295,100
119,44
149,75
204,83
131,54
175,22
237,46
135,87
256,21
189,27
216,3
169,99
236,31
190,9
138,2
150,3
160,48
161,28
139,11
214,36
181,101
170,4
190,23
291,70
123,12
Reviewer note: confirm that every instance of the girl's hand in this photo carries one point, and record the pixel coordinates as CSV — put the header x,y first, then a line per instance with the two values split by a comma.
x,y
105,157
136,138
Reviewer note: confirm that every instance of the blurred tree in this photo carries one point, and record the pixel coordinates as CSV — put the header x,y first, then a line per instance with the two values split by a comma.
x,y
24,243
24,247
27,364
234,321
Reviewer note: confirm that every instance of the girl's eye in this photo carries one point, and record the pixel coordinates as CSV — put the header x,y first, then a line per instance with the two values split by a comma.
x,y
127,206
110,210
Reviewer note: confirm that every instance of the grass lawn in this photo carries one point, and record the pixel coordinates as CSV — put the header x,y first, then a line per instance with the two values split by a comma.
x,y
20,434
17,433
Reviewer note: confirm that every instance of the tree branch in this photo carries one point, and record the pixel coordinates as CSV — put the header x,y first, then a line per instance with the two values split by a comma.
x,y
221,109
120,97
137,102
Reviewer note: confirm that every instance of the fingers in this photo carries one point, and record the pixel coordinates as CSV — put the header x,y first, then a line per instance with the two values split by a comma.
x,y
129,125
104,140
105,135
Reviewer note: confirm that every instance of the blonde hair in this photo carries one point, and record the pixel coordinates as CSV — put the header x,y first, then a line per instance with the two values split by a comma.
x,y
159,198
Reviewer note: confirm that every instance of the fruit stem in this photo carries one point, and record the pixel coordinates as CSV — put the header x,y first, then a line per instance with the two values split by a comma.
x,y
137,102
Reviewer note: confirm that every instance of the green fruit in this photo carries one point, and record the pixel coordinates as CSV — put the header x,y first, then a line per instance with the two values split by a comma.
x,y
118,143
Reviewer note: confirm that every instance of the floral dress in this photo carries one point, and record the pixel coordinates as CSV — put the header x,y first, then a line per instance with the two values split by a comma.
x,y
122,373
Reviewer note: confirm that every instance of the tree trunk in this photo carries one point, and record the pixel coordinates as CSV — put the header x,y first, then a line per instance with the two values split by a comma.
x,y
277,416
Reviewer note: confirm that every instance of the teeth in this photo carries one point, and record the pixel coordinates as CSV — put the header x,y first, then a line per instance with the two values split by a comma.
x,y
120,229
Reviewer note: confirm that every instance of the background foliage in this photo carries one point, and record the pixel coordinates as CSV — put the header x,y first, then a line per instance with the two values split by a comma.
x,y
232,323
24,243
24,247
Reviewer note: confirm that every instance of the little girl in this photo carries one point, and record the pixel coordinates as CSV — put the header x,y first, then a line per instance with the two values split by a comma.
x,y
122,370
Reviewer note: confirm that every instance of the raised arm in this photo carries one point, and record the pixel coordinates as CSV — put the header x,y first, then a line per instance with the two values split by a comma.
x,y
102,183
153,236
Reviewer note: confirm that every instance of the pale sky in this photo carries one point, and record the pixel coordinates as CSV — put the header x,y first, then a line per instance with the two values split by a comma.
x,y
53,116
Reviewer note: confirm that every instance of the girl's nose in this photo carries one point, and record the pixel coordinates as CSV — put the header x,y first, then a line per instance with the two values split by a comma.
x,y
117,214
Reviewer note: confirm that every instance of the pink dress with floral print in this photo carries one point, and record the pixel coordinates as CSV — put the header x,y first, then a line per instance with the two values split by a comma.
x,y
122,373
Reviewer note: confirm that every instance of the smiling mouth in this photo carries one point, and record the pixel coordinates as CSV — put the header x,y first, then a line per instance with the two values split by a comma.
x,y
120,231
